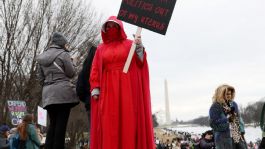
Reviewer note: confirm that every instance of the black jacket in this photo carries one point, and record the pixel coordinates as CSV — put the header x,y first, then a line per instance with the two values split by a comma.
x,y
207,144
83,85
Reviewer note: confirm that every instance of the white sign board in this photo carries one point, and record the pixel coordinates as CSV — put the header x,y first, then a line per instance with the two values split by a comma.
x,y
42,116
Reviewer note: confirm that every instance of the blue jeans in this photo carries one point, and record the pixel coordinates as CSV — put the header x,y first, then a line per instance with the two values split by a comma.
x,y
224,143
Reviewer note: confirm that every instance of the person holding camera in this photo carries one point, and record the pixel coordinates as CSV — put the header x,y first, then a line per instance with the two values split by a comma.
x,y
226,121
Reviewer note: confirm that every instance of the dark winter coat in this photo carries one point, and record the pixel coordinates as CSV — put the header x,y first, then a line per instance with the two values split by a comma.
x,y
83,85
206,144
57,87
219,122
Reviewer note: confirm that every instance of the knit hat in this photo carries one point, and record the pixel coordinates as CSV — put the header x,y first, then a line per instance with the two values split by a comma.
x,y
59,39
4,128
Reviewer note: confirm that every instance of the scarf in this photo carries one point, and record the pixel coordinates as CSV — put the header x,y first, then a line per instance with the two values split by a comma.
x,y
234,125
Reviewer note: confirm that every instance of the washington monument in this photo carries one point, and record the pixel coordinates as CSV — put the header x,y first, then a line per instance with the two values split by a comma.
x,y
168,121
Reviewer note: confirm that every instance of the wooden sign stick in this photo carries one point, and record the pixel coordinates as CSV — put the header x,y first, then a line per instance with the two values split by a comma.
x,y
129,58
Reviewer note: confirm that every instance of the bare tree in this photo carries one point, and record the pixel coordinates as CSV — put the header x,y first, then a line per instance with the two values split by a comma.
x,y
26,27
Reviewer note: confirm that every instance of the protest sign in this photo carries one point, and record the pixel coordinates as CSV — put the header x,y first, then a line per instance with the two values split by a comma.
x,y
150,14
42,116
17,109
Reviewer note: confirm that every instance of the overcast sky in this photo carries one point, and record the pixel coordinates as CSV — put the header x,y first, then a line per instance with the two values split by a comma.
x,y
208,43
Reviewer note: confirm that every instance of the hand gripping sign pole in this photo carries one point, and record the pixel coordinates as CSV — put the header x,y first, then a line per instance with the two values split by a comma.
x,y
155,17
129,58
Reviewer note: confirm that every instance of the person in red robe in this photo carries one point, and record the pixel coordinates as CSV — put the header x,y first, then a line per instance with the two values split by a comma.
x,y
121,115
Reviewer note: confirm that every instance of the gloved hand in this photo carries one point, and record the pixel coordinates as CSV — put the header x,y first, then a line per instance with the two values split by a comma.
x,y
95,93
74,59
231,117
139,46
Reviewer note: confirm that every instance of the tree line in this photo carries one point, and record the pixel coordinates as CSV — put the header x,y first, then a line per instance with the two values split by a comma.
x,y
251,115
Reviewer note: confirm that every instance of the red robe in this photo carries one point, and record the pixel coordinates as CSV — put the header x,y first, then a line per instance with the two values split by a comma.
x,y
121,118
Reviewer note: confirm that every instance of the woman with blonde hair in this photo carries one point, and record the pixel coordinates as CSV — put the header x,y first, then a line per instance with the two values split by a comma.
x,y
225,119
27,133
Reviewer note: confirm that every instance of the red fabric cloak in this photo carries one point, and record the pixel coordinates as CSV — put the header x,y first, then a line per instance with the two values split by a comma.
x,y
121,118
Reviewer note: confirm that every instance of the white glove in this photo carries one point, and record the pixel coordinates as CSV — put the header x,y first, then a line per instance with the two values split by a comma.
x,y
95,93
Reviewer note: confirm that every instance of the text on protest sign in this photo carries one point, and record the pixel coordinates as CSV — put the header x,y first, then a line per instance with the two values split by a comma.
x,y
17,109
150,14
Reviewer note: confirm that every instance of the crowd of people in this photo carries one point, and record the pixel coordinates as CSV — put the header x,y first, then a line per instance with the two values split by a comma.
x,y
166,138
173,139
26,135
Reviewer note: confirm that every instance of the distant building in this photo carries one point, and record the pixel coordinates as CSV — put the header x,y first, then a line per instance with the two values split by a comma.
x,y
163,116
